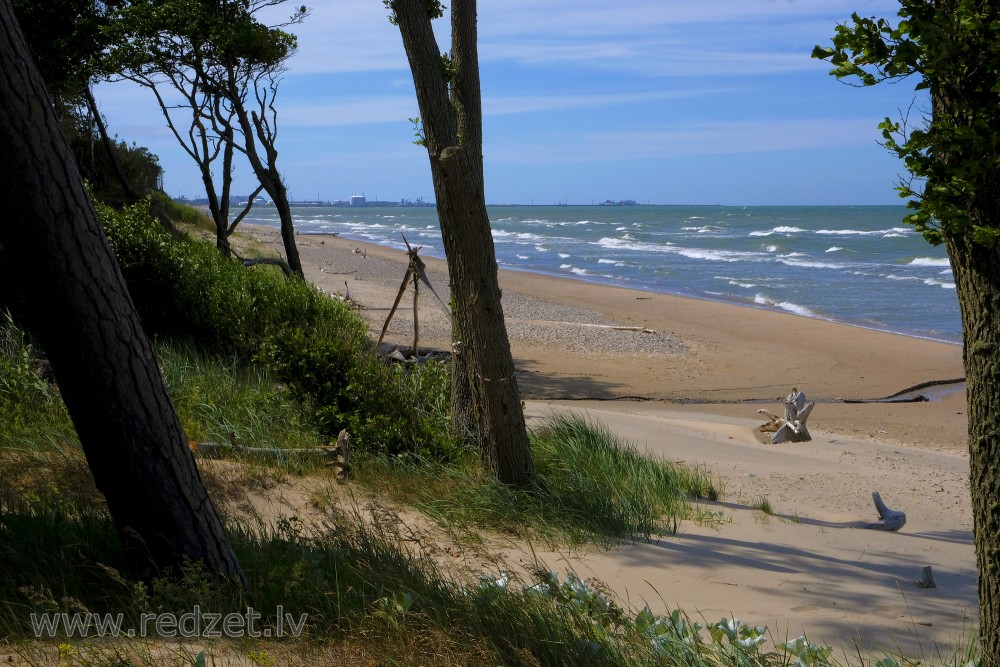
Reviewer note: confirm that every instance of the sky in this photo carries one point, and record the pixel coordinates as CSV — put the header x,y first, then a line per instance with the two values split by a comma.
x,y
658,101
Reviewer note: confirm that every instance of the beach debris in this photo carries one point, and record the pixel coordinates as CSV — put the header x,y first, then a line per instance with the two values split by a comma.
x,y
415,273
335,455
927,580
615,327
889,519
338,455
432,355
269,261
791,427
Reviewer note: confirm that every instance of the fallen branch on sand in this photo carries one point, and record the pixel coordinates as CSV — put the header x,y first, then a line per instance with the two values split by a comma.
x,y
889,519
611,326
335,455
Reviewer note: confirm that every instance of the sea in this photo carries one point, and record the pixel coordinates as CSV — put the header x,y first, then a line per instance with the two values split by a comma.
x,y
859,265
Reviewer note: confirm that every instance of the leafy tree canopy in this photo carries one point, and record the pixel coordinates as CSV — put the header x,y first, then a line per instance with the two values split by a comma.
x,y
953,50
167,35
67,39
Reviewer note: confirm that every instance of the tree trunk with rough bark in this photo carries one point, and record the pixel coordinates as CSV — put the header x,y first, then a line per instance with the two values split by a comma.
x,y
450,108
70,294
267,174
276,188
977,281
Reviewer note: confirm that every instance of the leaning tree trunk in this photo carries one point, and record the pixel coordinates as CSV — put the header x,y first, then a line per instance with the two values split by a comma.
x,y
276,188
109,147
69,292
977,281
450,109
267,174
468,243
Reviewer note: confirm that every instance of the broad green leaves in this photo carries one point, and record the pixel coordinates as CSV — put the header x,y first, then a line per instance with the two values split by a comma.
x,y
952,49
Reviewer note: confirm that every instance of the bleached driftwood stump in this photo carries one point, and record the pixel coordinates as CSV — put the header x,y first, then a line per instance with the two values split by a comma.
x,y
889,519
793,425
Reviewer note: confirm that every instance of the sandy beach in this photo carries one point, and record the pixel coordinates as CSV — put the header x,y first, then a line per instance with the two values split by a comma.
x,y
684,378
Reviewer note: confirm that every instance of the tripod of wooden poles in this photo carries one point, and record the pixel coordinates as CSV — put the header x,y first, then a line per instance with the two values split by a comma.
x,y
415,273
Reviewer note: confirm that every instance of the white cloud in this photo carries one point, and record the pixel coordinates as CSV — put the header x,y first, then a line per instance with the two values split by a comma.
x,y
698,37
721,138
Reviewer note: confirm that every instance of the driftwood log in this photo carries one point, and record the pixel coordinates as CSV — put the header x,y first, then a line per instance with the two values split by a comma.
x,y
927,580
889,519
792,427
334,455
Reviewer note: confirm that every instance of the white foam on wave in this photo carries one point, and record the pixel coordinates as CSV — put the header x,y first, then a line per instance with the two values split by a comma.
x,y
610,261
769,248
795,308
565,266
938,283
691,253
579,272
930,261
541,248
521,256
519,236
563,255
895,231
628,244
833,248
894,277
715,255
778,230
805,264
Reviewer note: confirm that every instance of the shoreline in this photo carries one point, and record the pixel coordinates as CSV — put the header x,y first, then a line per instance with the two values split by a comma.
x,y
714,356
686,294
807,565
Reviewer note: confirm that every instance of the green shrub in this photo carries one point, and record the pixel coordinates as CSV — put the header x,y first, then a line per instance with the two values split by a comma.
x,y
386,409
184,288
27,399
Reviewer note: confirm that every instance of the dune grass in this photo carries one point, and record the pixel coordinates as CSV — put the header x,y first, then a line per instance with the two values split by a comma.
x,y
361,585
591,486
371,595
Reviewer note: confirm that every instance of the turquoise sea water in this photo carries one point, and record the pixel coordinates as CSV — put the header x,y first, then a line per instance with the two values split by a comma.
x,y
855,264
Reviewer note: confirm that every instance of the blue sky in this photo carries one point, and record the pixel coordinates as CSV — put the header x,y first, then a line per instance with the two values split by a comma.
x,y
660,101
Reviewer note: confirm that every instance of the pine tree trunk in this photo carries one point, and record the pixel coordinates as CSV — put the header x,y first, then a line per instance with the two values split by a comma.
x,y
468,242
109,147
452,121
977,282
280,197
69,293
463,420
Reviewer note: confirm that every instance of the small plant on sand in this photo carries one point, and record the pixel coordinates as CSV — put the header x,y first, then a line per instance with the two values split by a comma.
x,y
763,505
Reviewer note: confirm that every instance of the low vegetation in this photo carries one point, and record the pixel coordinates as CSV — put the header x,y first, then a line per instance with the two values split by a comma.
x,y
271,363
591,487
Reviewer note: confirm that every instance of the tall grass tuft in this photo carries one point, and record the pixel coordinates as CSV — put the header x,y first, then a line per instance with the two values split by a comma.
x,y
218,399
591,486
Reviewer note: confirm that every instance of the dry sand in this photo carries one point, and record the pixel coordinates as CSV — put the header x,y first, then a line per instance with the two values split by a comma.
x,y
689,392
